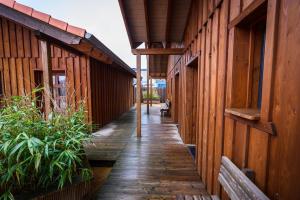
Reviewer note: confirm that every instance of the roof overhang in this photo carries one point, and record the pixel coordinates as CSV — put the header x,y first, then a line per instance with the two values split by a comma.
x,y
88,44
157,23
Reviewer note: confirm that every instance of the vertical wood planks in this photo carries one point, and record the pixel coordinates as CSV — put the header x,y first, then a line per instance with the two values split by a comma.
x,y
47,75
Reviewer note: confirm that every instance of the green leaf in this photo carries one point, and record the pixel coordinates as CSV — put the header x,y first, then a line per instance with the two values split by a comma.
x,y
38,157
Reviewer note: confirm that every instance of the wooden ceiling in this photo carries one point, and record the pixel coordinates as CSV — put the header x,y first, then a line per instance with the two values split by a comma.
x,y
157,23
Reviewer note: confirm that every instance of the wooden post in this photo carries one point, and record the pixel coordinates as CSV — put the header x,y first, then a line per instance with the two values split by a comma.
x,y
138,95
47,75
151,92
148,85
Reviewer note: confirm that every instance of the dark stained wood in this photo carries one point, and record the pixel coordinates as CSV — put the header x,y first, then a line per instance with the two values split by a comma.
x,y
155,166
158,51
108,84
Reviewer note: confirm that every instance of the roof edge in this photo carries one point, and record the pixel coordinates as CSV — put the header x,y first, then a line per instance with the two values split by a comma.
x,y
98,44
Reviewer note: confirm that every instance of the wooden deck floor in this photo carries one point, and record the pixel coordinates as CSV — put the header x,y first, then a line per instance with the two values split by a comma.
x,y
156,166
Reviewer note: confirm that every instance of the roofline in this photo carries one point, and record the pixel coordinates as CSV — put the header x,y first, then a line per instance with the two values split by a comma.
x,y
98,44
60,34
35,24
132,43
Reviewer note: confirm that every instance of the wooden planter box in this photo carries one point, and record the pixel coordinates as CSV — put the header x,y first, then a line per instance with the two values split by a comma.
x,y
78,190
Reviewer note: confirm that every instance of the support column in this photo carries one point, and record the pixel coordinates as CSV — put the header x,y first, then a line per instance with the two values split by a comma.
x,y
151,92
45,52
138,95
148,85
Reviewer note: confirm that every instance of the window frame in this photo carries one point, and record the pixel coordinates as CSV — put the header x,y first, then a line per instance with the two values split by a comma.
x,y
58,86
1,84
246,47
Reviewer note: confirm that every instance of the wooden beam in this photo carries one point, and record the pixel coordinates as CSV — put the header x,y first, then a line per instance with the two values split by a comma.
x,y
249,13
158,51
138,95
45,52
168,23
147,21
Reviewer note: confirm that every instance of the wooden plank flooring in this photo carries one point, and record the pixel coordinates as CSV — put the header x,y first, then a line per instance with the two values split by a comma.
x,y
156,166
109,141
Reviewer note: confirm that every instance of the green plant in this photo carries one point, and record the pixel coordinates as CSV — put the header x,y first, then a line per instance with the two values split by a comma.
x,y
155,95
37,153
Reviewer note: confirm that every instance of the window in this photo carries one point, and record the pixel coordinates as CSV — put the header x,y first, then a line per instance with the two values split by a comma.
x,y
248,67
1,85
59,90
38,81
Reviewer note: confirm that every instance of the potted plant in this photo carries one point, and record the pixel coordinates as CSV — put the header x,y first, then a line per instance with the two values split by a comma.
x,y
38,154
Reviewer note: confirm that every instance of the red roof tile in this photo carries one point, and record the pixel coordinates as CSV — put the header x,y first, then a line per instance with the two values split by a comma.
x,y
22,8
44,17
58,23
41,16
9,3
76,31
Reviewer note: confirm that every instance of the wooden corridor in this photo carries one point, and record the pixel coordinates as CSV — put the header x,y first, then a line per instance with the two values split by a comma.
x,y
156,166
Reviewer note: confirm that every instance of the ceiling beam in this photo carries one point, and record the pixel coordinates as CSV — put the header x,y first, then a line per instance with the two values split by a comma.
x,y
158,51
168,23
147,21
133,44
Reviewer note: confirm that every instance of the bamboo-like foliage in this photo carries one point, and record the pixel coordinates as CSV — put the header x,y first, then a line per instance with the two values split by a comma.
x,y
36,153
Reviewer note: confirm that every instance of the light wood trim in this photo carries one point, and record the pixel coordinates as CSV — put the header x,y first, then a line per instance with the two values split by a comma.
x,y
158,51
138,95
148,85
246,113
267,127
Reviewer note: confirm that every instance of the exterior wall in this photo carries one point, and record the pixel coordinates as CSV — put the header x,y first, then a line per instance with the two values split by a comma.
x,y
20,58
111,92
211,35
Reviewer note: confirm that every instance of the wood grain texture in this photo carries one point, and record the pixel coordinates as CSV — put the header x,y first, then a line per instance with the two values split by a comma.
x,y
155,166
20,57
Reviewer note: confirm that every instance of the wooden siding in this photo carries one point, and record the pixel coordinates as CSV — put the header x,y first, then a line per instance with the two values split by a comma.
x,y
20,58
213,35
111,92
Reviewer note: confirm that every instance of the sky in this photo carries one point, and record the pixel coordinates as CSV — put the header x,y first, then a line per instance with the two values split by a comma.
x,y
102,18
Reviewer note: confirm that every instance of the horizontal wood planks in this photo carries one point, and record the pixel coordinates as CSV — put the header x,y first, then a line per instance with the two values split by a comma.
x,y
219,48
155,166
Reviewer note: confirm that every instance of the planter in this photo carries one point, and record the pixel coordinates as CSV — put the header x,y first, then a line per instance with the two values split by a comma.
x,y
78,190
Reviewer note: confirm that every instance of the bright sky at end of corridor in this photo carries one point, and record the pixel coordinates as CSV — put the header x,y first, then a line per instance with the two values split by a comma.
x,y
102,18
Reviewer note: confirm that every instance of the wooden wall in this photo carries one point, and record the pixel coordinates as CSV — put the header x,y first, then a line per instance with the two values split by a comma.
x,y
212,36
111,92
20,58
